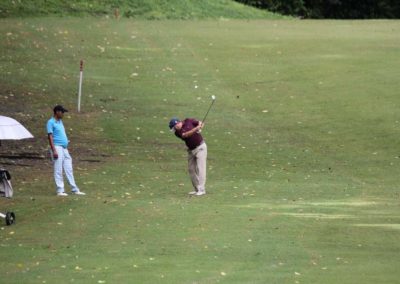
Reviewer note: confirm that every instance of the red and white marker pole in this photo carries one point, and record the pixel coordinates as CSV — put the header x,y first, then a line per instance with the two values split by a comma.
x,y
80,86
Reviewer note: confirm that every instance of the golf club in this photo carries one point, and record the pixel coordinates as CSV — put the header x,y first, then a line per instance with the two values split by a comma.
x,y
213,100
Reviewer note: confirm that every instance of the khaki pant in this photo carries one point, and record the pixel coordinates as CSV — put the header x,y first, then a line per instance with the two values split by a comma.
x,y
197,163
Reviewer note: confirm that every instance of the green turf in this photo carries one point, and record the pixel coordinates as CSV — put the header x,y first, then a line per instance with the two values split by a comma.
x,y
303,151
140,9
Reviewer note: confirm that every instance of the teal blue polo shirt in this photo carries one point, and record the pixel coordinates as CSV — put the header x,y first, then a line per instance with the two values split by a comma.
x,y
56,128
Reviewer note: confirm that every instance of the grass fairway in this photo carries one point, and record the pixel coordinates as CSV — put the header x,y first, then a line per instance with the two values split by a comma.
x,y
303,151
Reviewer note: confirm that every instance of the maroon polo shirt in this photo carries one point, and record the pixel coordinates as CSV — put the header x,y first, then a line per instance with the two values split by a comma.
x,y
193,141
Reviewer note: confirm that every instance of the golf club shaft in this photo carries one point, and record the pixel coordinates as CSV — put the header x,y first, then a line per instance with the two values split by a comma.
x,y
208,111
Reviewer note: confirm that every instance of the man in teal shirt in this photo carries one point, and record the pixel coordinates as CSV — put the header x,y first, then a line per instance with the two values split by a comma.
x,y
62,160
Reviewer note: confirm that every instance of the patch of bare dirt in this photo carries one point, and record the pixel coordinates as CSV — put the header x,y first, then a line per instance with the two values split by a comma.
x,y
29,157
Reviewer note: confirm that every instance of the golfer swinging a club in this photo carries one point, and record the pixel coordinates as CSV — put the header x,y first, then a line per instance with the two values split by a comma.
x,y
59,151
189,131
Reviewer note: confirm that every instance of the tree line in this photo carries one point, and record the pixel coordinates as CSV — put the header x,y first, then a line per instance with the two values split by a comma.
x,y
331,9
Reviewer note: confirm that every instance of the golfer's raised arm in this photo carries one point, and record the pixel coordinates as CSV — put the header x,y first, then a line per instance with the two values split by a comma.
x,y
193,131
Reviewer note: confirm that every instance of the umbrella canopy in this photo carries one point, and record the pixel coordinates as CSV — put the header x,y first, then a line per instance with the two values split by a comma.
x,y
10,129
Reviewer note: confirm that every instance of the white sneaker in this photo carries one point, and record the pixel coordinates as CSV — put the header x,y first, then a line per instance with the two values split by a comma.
x,y
199,193
78,193
192,192
61,194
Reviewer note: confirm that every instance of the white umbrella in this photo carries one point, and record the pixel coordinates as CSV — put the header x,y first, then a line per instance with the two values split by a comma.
x,y
10,129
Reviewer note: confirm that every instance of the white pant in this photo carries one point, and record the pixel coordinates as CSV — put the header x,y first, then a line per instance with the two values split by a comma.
x,y
64,161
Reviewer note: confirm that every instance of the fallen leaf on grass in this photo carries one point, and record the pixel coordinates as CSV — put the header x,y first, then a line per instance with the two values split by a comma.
x,y
102,49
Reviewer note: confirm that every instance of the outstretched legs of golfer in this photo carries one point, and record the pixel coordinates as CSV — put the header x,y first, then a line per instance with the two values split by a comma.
x,y
189,131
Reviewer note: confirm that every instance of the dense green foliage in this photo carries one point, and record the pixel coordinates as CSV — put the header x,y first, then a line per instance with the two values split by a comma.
x,y
143,9
351,9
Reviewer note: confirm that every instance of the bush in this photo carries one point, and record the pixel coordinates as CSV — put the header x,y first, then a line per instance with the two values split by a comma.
x,y
338,9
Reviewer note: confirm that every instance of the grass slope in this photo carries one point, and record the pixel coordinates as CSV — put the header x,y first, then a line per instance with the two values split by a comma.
x,y
303,151
143,9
